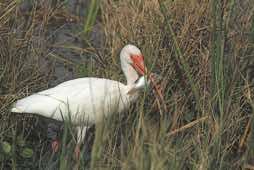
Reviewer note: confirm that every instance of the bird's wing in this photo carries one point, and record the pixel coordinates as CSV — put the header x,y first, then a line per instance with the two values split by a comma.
x,y
79,96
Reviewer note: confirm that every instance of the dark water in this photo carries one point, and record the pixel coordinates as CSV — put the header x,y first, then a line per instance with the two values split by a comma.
x,y
65,32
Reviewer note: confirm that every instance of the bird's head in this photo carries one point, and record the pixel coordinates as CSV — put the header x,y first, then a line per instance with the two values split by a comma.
x,y
132,59
132,55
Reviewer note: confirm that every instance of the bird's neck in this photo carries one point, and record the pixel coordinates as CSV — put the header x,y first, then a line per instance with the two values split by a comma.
x,y
130,73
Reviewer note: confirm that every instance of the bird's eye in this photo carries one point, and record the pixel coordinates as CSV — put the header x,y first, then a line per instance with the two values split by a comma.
x,y
135,82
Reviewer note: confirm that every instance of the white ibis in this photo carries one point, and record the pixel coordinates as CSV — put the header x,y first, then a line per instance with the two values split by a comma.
x,y
86,101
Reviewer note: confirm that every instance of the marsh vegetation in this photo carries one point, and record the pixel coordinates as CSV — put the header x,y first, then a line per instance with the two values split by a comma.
x,y
204,50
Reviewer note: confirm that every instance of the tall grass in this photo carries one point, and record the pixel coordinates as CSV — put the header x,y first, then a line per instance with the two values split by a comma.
x,y
217,52
250,140
186,68
196,47
218,81
91,16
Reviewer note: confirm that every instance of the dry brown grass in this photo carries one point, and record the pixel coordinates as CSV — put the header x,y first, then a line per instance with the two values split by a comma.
x,y
140,138
142,23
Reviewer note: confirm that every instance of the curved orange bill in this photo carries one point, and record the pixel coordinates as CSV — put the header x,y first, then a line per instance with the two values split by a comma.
x,y
139,66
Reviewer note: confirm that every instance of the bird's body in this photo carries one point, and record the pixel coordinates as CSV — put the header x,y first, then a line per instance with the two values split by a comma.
x,y
80,100
86,101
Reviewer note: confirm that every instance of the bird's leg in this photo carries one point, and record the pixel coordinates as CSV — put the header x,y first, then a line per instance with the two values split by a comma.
x,y
81,133
55,145
77,151
52,134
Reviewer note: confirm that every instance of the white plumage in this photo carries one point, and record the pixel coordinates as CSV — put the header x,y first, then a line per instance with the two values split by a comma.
x,y
88,100
85,99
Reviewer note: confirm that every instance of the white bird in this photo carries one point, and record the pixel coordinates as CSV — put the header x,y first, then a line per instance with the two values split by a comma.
x,y
86,101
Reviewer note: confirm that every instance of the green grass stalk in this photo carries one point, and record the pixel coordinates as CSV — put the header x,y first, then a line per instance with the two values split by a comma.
x,y
13,153
217,81
252,29
250,140
91,16
97,146
63,159
185,67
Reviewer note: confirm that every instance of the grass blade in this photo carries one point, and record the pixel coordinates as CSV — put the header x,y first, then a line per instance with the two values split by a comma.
x,y
217,82
91,17
185,67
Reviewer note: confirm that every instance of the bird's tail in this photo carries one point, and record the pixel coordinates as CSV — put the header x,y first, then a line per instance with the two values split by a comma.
x,y
16,109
